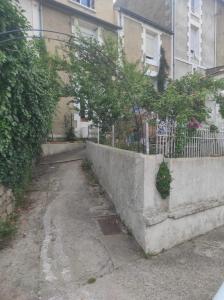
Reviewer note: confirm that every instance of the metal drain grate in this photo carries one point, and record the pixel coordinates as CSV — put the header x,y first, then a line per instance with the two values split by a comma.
x,y
110,225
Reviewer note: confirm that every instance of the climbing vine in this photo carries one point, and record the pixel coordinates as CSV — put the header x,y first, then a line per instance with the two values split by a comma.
x,y
29,91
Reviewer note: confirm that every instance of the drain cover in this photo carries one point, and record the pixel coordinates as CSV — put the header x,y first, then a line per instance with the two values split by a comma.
x,y
110,225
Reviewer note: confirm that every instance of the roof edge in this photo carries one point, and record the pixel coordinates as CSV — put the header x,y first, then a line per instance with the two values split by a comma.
x,y
69,9
143,19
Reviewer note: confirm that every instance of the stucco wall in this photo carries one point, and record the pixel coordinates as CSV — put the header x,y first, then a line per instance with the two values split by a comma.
x,y
195,205
196,181
103,9
133,40
56,20
52,149
208,33
220,34
181,29
181,69
121,173
158,11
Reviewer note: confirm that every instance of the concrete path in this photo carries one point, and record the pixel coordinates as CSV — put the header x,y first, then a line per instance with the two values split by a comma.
x,y
60,249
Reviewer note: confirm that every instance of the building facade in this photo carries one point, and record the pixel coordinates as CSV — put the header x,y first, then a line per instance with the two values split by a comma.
x,y
197,30
56,20
190,31
142,37
197,27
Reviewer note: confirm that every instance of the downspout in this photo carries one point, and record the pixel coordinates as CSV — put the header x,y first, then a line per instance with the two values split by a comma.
x,y
215,33
173,30
41,17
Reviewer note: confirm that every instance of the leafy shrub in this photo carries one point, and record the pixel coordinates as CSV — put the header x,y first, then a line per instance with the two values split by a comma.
x,y
86,165
7,229
213,129
29,91
163,180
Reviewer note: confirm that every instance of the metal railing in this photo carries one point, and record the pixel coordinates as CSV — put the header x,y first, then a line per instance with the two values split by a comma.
x,y
163,139
200,143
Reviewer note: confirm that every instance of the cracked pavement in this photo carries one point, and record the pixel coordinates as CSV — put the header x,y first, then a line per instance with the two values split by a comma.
x,y
59,247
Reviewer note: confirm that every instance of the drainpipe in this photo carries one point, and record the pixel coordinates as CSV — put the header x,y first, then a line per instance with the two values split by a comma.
x,y
41,16
215,33
173,30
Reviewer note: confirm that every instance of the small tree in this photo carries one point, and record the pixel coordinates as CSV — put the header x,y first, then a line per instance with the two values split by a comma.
x,y
163,72
104,83
186,98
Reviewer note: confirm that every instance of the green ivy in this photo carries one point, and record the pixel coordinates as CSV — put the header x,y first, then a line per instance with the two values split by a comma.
x,y
163,180
29,91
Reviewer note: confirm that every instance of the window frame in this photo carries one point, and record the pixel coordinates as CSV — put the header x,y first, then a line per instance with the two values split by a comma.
x,y
155,60
195,10
80,2
194,55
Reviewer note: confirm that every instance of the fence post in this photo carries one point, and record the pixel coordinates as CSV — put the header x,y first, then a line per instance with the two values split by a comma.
x,y
147,138
98,134
113,136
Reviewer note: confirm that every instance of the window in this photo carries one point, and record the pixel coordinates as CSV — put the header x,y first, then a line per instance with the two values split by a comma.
x,y
32,13
195,6
195,42
152,48
88,3
87,29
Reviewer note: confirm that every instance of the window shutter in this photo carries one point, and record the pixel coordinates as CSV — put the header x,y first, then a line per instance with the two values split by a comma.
x,y
150,48
195,41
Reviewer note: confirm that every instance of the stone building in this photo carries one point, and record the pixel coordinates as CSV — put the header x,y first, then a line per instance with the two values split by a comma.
x,y
145,29
190,31
199,35
92,18
197,26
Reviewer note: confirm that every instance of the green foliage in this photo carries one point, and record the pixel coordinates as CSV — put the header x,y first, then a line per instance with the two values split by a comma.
x,y
91,280
29,90
104,83
163,180
185,98
86,165
108,88
213,128
70,135
7,229
163,72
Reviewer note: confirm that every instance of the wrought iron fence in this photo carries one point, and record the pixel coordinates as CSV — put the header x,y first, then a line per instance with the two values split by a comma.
x,y
162,138
190,143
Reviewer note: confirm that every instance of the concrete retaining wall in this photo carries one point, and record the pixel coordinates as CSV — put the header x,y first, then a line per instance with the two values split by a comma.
x,y
195,205
7,202
57,148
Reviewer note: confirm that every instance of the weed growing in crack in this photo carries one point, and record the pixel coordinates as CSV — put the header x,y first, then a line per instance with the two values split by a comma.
x,y
91,280
7,230
87,167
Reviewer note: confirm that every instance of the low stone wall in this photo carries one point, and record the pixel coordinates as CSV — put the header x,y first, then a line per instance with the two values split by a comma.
x,y
57,148
129,182
195,205
7,202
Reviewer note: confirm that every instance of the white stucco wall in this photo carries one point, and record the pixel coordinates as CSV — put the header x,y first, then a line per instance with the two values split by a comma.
x,y
121,173
31,10
52,149
196,180
195,205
